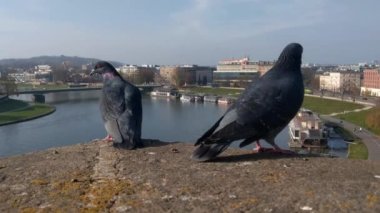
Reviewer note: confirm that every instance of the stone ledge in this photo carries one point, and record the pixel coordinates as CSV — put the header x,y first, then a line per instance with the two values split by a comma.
x,y
161,178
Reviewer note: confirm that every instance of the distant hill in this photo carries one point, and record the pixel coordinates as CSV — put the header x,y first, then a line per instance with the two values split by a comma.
x,y
73,61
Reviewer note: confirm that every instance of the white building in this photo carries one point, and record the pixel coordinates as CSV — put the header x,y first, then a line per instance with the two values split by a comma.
x,y
336,81
23,77
42,69
127,69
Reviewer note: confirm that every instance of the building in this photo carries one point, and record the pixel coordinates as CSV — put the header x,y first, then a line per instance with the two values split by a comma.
x,y
203,75
339,81
264,66
371,82
239,72
137,74
23,77
187,74
42,69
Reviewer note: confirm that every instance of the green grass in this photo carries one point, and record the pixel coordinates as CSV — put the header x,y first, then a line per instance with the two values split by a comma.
x,y
11,104
328,106
358,151
23,114
318,105
358,118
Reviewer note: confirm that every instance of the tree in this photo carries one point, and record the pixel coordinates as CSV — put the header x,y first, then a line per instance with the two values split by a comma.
x,y
315,84
60,74
354,91
7,85
373,118
176,78
350,89
308,76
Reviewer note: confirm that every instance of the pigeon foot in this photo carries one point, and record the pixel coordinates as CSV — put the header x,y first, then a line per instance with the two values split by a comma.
x,y
262,149
108,138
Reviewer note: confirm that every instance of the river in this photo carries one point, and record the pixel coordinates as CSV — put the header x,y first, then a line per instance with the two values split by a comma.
x,y
77,120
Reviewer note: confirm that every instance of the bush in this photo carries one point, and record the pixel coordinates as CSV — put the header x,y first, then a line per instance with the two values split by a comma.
x,y
373,119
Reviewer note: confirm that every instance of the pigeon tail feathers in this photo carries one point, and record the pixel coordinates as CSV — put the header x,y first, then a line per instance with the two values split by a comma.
x,y
206,152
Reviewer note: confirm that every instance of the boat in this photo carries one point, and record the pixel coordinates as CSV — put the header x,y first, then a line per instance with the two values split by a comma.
x,y
210,98
165,92
187,98
306,130
199,98
224,100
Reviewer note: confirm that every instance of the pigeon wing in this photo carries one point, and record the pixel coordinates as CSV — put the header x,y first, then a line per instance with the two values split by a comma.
x,y
254,114
131,119
115,102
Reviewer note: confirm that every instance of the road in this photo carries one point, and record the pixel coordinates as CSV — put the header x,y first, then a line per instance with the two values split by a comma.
x,y
369,139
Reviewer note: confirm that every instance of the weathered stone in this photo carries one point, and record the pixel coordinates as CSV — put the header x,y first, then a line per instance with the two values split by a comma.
x,y
97,177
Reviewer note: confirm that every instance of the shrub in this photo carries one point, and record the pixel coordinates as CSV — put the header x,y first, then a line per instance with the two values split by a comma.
x,y
373,119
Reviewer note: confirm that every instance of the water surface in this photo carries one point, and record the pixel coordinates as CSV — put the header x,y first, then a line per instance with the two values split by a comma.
x,y
77,120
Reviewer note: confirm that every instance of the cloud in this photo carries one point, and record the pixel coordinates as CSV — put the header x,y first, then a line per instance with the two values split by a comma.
x,y
192,18
234,19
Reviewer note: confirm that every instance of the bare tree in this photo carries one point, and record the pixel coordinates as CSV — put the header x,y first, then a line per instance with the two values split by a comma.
x,y
59,73
7,85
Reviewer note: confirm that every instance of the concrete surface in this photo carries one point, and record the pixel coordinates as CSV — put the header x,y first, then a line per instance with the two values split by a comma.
x,y
95,177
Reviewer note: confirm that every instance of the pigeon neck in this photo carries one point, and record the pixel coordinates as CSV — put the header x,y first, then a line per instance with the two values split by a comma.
x,y
108,75
288,62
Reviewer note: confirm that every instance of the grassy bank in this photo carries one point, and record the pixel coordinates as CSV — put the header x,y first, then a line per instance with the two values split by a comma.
x,y
328,106
25,113
42,86
318,105
358,118
358,150
11,104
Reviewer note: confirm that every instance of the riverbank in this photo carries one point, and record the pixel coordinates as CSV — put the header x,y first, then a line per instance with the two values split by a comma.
x,y
316,104
370,140
15,111
356,148
161,177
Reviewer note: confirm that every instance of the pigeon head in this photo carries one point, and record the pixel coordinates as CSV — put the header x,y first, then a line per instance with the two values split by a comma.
x,y
104,68
291,55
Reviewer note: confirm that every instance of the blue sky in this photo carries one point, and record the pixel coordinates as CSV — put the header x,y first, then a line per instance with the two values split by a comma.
x,y
190,31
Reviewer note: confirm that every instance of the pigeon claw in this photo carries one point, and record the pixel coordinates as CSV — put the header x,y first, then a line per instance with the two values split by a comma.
x,y
108,138
263,149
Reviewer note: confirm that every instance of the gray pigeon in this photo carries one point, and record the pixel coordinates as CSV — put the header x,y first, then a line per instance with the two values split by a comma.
x,y
120,106
262,110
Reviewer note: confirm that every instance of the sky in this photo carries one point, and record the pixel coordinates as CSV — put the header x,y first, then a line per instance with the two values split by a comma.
x,y
199,32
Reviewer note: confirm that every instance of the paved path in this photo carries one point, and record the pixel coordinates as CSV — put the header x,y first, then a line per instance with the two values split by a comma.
x,y
348,111
369,139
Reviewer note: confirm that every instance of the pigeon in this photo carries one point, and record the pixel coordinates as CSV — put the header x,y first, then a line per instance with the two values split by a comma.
x,y
261,111
120,106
